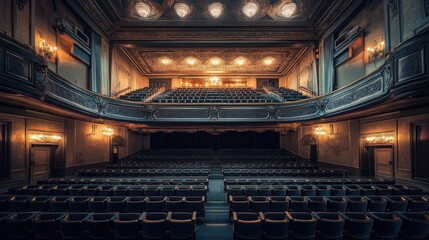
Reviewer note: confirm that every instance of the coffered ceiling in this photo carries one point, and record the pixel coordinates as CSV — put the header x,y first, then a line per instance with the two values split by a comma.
x,y
160,36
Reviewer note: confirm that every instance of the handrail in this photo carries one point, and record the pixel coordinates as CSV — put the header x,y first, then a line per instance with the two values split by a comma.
x,y
120,92
275,95
158,92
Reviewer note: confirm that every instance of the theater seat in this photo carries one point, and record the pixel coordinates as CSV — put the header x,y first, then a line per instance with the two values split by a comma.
x,y
298,204
79,203
323,190
329,225
182,225
3,217
357,225
396,203
47,225
59,204
239,204
18,225
415,225
279,204
174,204
127,226
73,226
19,203
259,204
356,204
116,204
386,225
336,204
275,225
98,204
338,190
40,203
417,203
377,203
247,225
317,203
135,204
99,225
155,204
154,225
302,225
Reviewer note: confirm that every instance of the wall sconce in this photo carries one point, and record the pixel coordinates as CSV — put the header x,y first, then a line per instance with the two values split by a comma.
x,y
41,138
379,140
93,129
375,52
108,131
46,49
319,131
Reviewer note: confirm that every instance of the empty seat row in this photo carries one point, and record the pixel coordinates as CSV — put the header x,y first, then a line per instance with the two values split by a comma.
x,y
286,172
142,172
331,225
194,180
28,225
322,190
111,190
409,203
102,204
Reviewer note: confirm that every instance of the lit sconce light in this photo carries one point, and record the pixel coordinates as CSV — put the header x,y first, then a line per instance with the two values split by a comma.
x,y
250,9
108,131
214,81
320,131
379,140
165,60
240,61
288,9
46,49
268,61
41,138
375,52
215,9
142,9
182,10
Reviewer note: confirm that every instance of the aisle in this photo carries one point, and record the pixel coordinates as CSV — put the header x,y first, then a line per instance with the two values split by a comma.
x,y
217,223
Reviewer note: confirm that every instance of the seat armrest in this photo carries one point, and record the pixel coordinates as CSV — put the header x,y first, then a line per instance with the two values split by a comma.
x,y
168,218
234,216
261,216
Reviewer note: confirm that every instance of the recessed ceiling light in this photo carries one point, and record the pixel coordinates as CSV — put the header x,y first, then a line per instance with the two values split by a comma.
x,y
240,60
215,9
250,9
288,9
268,61
165,60
215,61
182,9
191,60
142,9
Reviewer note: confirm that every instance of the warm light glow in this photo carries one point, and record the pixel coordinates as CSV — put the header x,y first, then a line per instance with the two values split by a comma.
x,y
288,9
191,60
214,81
143,9
165,60
250,9
107,131
182,9
215,61
215,9
41,138
379,140
240,61
268,61
46,49
376,51
319,131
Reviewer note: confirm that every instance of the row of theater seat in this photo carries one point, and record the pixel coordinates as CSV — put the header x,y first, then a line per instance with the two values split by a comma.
x,y
331,225
42,225
111,190
22,203
285,172
322,190
412,203
149,165
194,180
264,164
231,181
139,95
143,172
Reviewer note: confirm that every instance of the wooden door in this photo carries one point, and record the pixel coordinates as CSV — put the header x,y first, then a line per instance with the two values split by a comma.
x,y
383,158
41,159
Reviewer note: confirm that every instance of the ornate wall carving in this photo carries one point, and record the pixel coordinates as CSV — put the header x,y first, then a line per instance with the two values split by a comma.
x,y
411,66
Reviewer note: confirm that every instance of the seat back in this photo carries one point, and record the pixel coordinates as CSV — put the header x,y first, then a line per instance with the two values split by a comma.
x,y
46,225
127,226
73,226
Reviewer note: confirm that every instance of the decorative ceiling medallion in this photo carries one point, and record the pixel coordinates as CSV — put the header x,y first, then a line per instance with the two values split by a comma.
x,y
182,9
284,10
215,9
250,9
147,10
215,61
142,9
191,60
165,60
240,61
268,60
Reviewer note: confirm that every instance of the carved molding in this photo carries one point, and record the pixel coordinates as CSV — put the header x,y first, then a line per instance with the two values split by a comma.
x,y
394,7
411,66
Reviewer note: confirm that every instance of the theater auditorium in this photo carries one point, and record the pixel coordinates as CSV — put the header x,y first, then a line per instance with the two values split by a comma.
x,y
214,119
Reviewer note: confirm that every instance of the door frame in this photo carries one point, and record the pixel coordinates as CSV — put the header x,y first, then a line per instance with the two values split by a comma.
x,y
53,148
368,157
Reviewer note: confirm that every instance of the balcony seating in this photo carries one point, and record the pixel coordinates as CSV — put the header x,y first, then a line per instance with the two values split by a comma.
x,y
302,225
138,95
127,226
275,225
247,225
73,226
357,225
182,225
46,225
99,225
329,225
154,225
386,225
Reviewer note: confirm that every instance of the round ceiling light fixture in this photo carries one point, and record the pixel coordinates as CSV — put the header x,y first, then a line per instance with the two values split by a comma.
x,y
215,61
250,9
142,9
240,61
190,60
165,60
268,60
288,9
182,10
215,9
